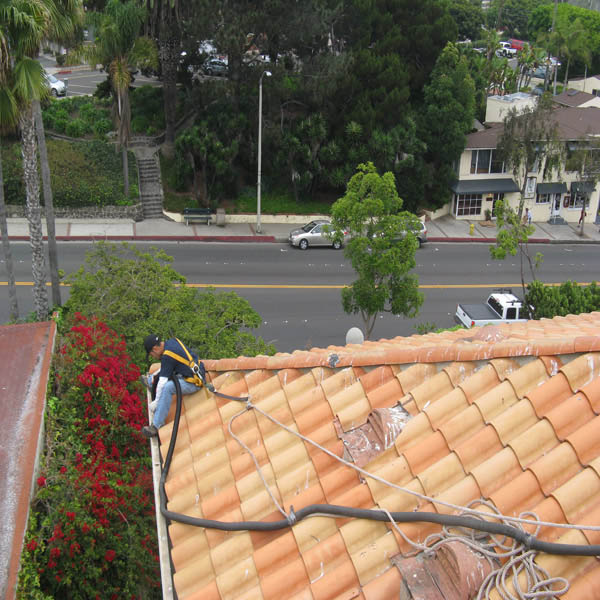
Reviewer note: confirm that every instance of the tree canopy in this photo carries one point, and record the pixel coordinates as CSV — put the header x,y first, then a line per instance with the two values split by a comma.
x,y
137,293
381,247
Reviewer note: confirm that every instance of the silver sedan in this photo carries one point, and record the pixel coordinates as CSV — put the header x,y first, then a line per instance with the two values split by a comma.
x,y
314,233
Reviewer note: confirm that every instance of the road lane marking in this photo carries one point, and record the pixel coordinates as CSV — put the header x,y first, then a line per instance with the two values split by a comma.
x,y
275,286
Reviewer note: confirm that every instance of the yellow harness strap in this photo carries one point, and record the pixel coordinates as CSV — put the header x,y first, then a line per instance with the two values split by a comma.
x,y
195,379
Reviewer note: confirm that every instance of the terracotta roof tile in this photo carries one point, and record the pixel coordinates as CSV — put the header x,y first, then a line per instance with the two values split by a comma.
x,y
592,392
479,447
586,441
534,442
505,414
555,467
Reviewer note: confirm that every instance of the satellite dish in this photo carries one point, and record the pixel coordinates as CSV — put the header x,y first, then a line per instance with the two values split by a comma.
x,y
355,336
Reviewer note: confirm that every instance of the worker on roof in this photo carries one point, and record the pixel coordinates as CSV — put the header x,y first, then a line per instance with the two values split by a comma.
x,y
176,360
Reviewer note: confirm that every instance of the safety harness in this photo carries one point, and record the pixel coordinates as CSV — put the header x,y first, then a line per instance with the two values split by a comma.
x,y
198,377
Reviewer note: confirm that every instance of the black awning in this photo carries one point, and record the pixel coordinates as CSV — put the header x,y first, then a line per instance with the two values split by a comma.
x,y
484,186
582,187
552,188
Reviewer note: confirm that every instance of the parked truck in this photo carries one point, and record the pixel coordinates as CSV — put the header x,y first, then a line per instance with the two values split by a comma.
x,y
502,306
507,50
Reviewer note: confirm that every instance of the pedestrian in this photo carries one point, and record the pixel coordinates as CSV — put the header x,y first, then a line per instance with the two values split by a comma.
x,y
176,360
527,217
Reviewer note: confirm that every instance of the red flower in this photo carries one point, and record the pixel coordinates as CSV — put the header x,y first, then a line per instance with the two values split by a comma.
x,y
110,555
41,481
63,469
32,545
71,516
55,552
85,528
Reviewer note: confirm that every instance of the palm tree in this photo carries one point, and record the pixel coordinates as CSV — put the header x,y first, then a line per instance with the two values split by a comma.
x,y
24,28
25,24
119,48
8,119
165,24
570,41
10,271
69,13
165,27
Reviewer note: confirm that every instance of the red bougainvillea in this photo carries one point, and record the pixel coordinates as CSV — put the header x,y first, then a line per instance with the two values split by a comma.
x,y
91,532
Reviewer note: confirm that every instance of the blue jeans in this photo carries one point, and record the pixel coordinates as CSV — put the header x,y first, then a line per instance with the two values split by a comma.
x,y
166,395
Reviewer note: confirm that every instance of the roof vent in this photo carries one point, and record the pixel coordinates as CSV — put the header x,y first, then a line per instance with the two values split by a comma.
x,y
453,572
572,92
354,336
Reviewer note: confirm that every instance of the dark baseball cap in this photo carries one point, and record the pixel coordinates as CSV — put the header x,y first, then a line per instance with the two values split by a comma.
x,y
150,341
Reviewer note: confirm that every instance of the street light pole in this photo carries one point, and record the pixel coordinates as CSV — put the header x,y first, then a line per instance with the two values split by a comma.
x,y
268,74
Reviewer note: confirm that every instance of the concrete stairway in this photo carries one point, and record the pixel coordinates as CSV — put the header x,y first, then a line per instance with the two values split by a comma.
x,y
149,180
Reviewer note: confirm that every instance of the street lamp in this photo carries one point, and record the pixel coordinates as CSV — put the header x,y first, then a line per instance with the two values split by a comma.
x,y
268,74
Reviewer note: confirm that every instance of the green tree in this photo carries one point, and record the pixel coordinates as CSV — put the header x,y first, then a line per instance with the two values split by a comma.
x,y
449,110
543,20
513,16
370,212
119,47
569,298
529,143
570,42
25,24
210,157
513,236
584,161
165,24
469,18
135,293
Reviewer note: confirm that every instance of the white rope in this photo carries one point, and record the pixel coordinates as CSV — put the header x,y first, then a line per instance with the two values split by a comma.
x,y
456,507
521,561
245,447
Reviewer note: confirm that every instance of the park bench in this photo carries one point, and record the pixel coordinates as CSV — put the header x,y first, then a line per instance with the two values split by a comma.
x,y
197,215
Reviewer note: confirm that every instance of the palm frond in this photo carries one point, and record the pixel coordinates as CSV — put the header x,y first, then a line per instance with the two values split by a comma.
x,y
29,80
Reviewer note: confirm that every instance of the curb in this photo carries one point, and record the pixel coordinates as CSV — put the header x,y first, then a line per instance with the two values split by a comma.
x,y
155,238
489,240
263,239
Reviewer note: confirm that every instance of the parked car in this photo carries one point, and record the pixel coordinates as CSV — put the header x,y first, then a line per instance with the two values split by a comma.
x,y
314,234
506,50
540,72
57,86
215,66
420,233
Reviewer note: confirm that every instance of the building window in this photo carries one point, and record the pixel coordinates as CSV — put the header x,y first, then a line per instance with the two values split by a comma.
x,y
497,196
468,204
486,161
542,198
576,200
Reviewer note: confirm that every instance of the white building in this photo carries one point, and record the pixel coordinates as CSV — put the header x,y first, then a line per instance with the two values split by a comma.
x,y
483,179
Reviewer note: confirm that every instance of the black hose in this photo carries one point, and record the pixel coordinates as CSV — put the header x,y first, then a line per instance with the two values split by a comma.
x,y
528,541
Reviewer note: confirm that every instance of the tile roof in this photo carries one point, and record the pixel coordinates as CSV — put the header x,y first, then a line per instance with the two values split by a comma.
x,y
25,355
572,97
574,123
508,414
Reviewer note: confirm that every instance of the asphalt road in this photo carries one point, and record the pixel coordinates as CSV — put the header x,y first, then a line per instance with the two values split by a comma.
x,y
82,83
297,293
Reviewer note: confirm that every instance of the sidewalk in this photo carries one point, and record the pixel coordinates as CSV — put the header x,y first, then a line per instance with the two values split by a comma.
x,y
242,228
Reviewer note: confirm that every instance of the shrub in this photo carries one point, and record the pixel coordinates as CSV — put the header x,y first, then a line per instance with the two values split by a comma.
x,y
91,531
77,128
569,298
135,292
102,127
140,124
